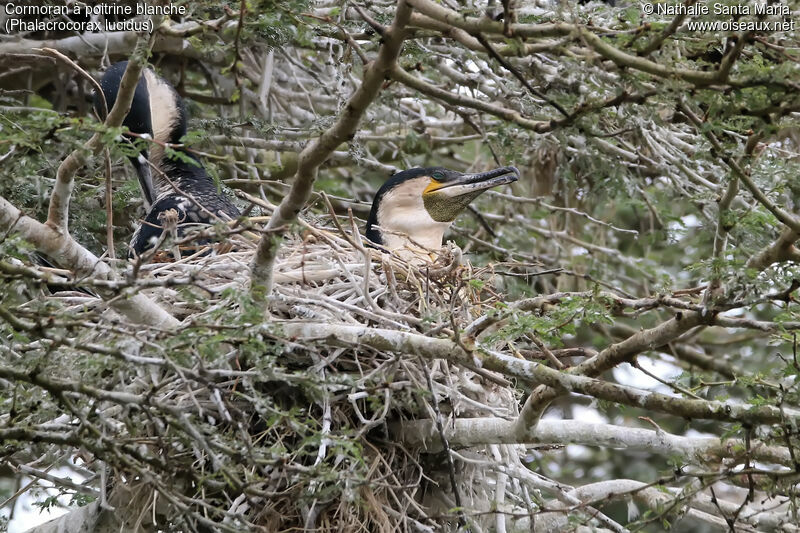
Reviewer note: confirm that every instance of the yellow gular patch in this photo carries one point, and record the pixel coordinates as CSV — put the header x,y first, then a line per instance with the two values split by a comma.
x,y
432,186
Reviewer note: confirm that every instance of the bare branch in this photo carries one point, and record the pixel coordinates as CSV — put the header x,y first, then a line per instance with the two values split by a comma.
x,y
556,381
316,152
54,243
58,214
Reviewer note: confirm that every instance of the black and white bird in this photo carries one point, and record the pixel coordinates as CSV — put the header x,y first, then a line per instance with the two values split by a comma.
x,y
169,181
410,212
413,209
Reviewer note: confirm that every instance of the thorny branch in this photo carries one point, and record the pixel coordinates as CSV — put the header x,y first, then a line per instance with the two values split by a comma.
x,y
655,224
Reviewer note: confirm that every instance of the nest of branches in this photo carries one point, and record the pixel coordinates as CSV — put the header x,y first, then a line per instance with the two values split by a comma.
x,y
232,422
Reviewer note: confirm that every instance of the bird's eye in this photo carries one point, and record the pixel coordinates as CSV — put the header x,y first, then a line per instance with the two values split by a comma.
x,y
438,175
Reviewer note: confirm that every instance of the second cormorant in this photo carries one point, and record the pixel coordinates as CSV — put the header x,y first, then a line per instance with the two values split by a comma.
x,y
170,179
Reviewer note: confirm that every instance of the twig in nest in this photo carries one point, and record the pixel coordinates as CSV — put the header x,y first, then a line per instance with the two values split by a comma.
x,y
462,519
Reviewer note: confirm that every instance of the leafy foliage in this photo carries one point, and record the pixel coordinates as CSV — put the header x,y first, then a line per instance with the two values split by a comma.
x,y
655,164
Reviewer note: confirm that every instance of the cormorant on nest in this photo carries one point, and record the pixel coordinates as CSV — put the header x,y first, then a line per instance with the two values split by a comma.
x,y
180,182
410,212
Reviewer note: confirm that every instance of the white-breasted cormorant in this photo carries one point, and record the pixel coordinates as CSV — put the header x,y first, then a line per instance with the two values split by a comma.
x,y
176,181
412,210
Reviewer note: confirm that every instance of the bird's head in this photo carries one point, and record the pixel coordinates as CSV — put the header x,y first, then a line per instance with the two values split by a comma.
x,y
156,111
138,120
416,206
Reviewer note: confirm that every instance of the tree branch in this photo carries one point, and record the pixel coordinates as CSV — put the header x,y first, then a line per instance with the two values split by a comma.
x,y
58,213
538,374
316,152
539,126
467,432
781,250
49,241
787,218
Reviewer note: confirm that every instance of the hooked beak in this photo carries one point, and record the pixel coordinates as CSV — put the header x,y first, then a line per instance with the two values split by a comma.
x,y
145,176
475,183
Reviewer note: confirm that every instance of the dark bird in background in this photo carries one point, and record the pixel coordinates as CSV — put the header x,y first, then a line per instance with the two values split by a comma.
x,y
175,181
137,121
413,208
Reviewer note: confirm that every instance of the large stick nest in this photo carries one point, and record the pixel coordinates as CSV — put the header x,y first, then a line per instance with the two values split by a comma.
x,y
237,426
